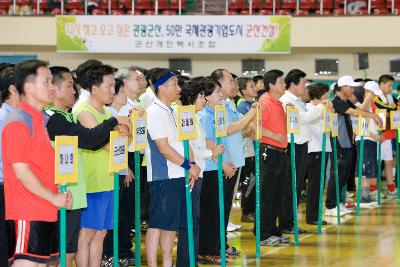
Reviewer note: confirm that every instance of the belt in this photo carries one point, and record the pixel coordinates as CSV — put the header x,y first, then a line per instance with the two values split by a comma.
x,y
282,150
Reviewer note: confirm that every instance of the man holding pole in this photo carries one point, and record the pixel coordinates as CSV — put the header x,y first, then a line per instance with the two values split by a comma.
x,y
166,167
342,105
274,158
28,160
295,82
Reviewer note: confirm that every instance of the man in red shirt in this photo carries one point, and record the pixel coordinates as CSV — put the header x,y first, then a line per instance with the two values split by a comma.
x,y
31,197
274,160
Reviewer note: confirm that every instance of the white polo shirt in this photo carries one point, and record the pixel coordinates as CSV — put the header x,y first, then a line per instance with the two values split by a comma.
x,y
306,116
162,123
315,129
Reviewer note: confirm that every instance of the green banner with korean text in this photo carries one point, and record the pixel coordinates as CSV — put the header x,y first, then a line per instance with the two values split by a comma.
x,y
174,34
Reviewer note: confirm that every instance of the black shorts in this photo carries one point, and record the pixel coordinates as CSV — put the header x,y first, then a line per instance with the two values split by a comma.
x,y
370,164
167,210
36,241
73,227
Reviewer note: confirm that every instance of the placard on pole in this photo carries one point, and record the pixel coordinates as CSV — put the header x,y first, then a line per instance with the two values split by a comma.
x,y
334,133
363,130
382,113
395,124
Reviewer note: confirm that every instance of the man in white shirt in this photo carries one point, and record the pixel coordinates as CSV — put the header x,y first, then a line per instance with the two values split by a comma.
x,y
166,167
295,82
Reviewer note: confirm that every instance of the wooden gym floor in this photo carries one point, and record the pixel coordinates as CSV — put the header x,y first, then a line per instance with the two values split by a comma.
x,y
371,240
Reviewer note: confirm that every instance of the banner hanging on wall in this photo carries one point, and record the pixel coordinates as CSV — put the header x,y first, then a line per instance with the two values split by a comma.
x,y
174,34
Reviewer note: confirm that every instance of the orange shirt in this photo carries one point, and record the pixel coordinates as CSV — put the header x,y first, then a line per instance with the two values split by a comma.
x,y
25,140
273,118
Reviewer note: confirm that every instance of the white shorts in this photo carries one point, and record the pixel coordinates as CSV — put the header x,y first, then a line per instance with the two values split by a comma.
x,y
386,149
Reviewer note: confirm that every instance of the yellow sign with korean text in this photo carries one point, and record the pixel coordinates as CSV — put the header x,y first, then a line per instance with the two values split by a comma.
x,y
187,128
258,124
118,152
139,131
66,159
382,113
334,124
395,119
363,126
293,119
354,124
220,121
326,124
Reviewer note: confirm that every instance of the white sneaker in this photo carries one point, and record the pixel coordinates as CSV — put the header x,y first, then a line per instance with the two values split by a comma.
x,y
374,195
333,212
392,193
344,209
349,194
233,227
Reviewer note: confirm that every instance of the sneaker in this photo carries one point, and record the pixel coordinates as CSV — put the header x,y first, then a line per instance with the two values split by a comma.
x,y
271,241
367,203
374,195
350,205
344,209
333,212
349,194
392,193
284,239
247,218
233,227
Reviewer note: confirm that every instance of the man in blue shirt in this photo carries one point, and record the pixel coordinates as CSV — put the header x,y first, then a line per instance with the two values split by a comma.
x,y
10,100
235,123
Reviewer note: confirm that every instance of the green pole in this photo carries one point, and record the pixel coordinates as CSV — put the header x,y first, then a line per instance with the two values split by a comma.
x,y
335,163
63,232
137,210
294,190
189,208
379,170
221,206
360,163
397,163
321,182
257,165
115,219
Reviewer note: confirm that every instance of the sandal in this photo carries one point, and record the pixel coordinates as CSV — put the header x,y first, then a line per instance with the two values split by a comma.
x,y
232,251
210,260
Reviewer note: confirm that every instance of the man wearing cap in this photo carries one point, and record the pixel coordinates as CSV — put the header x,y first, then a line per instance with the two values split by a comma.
x,y
166,167
344,90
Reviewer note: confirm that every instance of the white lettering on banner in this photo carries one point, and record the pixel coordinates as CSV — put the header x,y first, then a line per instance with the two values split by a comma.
x,y
119,150
66,156
140,131
187,122
174,34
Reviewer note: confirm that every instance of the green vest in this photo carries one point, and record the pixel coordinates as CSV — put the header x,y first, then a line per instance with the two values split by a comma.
x,y
97,174
78,190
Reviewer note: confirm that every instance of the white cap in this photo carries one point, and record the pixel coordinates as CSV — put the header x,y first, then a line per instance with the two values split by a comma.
x,y
373,86
347,81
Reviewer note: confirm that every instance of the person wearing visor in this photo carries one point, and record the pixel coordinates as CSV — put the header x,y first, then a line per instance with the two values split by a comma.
x,y
344,90
166,167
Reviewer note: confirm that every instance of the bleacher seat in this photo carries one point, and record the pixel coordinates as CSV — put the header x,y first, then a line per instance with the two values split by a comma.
x,y
136,12
269,4
125,4
338,12
3,12
257,4
339,4
362,11
73,4
22,2
244,12
149,12
117,12
143,4
265,12
307,4
104,4
325,12
381,11
76,12
56,11
283,12
289,4
99,11
232,12
302,12
169,12
378,4
162,4
396,3
4,4
174,4
326,4
236,4
41,12
43,4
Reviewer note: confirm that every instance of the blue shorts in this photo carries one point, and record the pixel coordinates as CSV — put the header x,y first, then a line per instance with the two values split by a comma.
x,y
99,212
370,164
167,209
